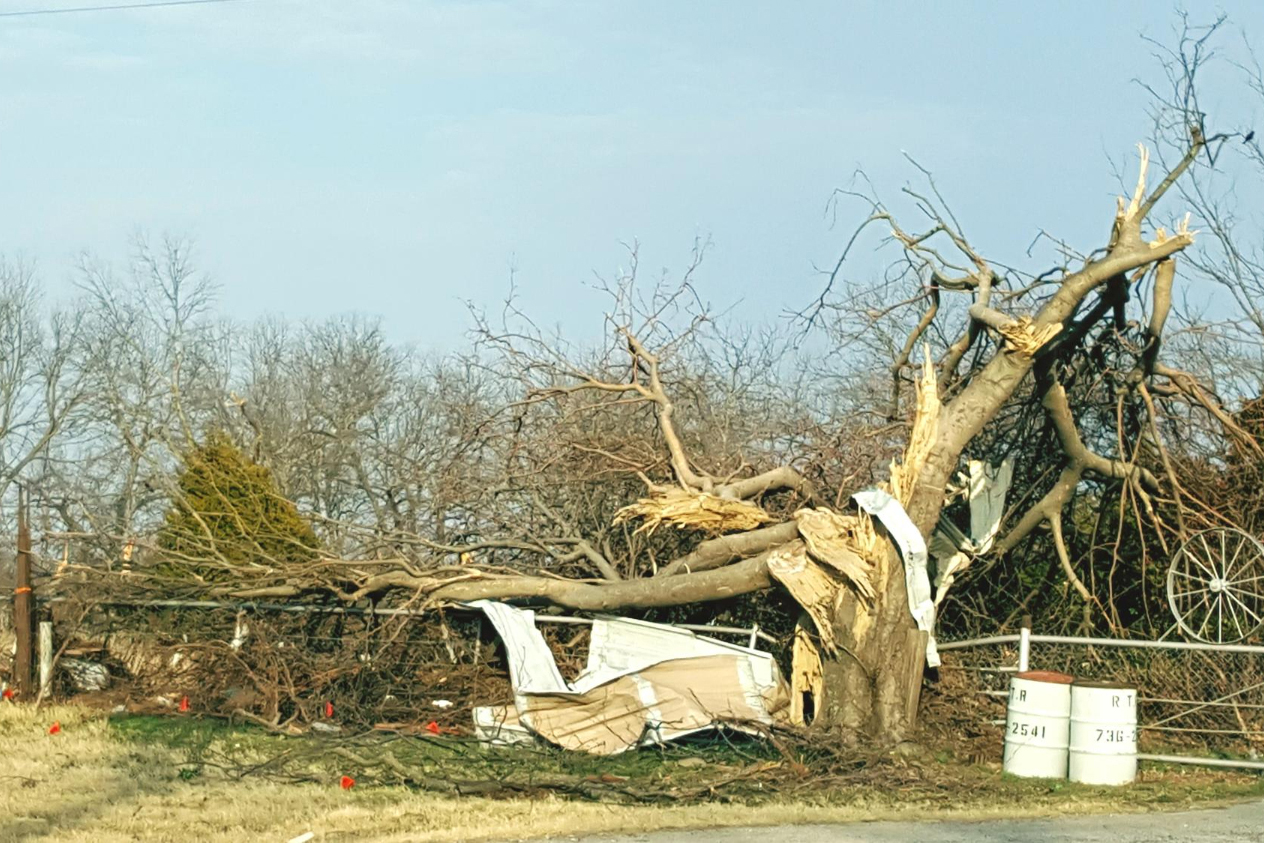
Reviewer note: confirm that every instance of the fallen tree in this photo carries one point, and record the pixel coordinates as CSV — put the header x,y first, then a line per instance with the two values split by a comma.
x,y
601,487
873,674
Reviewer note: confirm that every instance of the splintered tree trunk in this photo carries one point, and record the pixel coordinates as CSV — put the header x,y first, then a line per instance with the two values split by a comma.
x,y
874,684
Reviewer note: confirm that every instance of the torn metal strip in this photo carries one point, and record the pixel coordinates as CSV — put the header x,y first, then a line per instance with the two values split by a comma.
x,y
532,668
912,547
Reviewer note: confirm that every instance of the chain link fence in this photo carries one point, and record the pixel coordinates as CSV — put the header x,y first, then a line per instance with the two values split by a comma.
x,y
292,663
277,665
1196,701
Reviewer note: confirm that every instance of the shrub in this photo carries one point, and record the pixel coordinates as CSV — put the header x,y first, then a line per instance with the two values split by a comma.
x,y
229,514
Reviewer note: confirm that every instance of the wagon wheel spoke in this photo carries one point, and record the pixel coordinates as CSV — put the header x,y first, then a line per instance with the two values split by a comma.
x,y
1231,565
1203,628
1210,573
1208,556
1219,620
1233,614
1255,596
1187,611
1245,608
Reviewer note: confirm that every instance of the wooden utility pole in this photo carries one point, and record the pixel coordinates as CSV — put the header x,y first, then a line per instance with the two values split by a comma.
x,y
24,606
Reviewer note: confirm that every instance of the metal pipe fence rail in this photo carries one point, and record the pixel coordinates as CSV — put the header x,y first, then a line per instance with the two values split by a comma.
x,y
753,633
1197,703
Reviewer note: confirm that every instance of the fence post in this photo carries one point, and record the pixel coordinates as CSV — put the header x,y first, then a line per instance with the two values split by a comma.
x,y
23,605
1024,645
45,659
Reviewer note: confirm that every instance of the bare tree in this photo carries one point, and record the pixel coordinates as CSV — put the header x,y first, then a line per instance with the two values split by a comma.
x,y
41,379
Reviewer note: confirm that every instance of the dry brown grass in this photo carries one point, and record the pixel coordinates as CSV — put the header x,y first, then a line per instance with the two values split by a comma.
x,y
90,784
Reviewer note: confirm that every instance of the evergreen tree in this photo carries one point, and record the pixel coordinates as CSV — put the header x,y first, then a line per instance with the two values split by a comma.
x,y
230,510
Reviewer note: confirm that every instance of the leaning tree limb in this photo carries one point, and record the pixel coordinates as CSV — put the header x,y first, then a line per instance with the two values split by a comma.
x,y
722,550
440,586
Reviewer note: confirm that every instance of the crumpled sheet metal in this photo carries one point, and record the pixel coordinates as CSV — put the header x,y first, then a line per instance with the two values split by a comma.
x,y
643,684
986,488
989,486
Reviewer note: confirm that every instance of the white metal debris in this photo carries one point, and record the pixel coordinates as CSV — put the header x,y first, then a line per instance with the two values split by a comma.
x,y
986,487
86,675
643,683
912,547
497,725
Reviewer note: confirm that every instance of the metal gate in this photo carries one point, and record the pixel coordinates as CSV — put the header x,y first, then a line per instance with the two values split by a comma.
x,y
1197,703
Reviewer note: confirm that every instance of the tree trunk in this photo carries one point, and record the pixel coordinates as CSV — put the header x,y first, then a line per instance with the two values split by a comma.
x,y
873,686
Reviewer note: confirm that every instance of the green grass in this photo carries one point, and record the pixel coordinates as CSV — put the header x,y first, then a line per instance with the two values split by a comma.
x,y
199,744
197,740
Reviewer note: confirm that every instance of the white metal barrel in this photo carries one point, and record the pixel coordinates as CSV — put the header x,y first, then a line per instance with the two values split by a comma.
x,y
1103,733
1037,724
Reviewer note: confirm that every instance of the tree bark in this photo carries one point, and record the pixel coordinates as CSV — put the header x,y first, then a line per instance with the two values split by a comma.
x,y
873,686
722,550
720,584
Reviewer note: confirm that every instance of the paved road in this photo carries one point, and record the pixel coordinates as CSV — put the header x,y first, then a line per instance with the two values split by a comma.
x,y
1238,823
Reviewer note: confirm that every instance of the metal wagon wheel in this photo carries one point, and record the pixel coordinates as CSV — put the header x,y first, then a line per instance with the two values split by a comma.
x,y
1215,586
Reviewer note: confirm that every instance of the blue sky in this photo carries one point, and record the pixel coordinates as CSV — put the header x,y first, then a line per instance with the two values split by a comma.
x,y
395,158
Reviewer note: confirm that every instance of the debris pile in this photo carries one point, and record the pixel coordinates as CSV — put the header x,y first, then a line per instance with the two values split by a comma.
x,y
644,684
